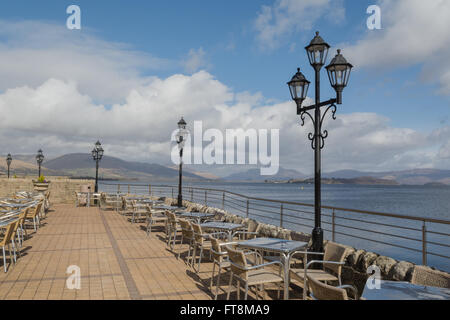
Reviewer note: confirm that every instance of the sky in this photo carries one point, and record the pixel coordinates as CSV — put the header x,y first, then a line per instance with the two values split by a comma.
x,y
135,67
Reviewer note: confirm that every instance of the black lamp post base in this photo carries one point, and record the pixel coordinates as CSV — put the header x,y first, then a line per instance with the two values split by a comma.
x,y
317,240
180,201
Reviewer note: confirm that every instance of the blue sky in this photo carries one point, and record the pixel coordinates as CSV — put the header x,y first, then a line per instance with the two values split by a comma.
x,y
225,41
224,30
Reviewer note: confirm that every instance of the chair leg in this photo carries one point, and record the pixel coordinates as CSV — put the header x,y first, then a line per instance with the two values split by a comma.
x,y
181,244
189,252
238,289
229,284
246,291
4,259
200,259
218,283
34,222
194,255
212,276
14,250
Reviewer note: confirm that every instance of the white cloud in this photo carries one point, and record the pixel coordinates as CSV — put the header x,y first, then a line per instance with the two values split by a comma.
x,y
413,32
32,52
60,113
274,23
196,60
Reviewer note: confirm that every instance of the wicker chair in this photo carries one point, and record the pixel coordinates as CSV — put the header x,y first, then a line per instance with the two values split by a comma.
x,y
187,234
33,215
255,275
322,291
139,211
202,242
428,277
7,240
332,262
252,231
172,229
152,218
220,258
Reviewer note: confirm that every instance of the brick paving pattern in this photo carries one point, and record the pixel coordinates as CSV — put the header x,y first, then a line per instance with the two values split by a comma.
x,y
116,259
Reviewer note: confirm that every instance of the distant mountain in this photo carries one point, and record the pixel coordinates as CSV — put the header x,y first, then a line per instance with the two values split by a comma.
x,y
409,177
358,180
21,167
255,175
81,164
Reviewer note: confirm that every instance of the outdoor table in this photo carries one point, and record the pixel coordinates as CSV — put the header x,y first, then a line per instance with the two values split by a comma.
x,y
5,222
165,207
196,215
17,205
223,226
399,290
284,247
140,199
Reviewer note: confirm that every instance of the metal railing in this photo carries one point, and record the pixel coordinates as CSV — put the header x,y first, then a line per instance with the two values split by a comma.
x,y
417,239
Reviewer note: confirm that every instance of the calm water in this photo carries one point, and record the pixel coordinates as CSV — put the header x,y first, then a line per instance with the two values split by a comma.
x,y
418,201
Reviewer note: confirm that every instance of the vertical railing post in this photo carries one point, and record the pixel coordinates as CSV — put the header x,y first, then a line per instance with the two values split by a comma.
x,y
223,200
281,216
150,190
192,194
118,188
333,226
246,212
128,189
206,197
424,244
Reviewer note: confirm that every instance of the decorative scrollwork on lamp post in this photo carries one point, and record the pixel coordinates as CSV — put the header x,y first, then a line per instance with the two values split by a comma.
x,y
338,73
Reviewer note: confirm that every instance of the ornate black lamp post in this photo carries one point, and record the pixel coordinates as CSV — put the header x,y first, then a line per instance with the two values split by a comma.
x,y
8,162
338,73
181,138
97,154
39,159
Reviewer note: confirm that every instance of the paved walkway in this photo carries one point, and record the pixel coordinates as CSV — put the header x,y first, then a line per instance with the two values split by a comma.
x,y
116,260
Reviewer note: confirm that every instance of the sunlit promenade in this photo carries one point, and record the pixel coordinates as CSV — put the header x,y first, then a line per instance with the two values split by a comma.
x,y
116,260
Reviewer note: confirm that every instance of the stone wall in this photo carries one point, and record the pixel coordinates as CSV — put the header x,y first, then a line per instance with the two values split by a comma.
x,y
356,262
62,190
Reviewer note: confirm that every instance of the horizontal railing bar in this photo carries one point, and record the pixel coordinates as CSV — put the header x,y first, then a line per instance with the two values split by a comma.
x,y
378,232
439,233
392,215
377,241
377,223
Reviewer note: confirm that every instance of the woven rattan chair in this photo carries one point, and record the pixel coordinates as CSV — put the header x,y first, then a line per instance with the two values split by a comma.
x,y
323,291
220,258
256,275
252,231
153,217
428,277
7,241
172,226
202,242
33,215
333,260
187,234
140,211
127,207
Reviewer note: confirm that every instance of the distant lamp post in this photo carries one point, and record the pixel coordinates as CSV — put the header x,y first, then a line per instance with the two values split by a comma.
x,y
338,73
181,138
39,160
8,162
97,154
